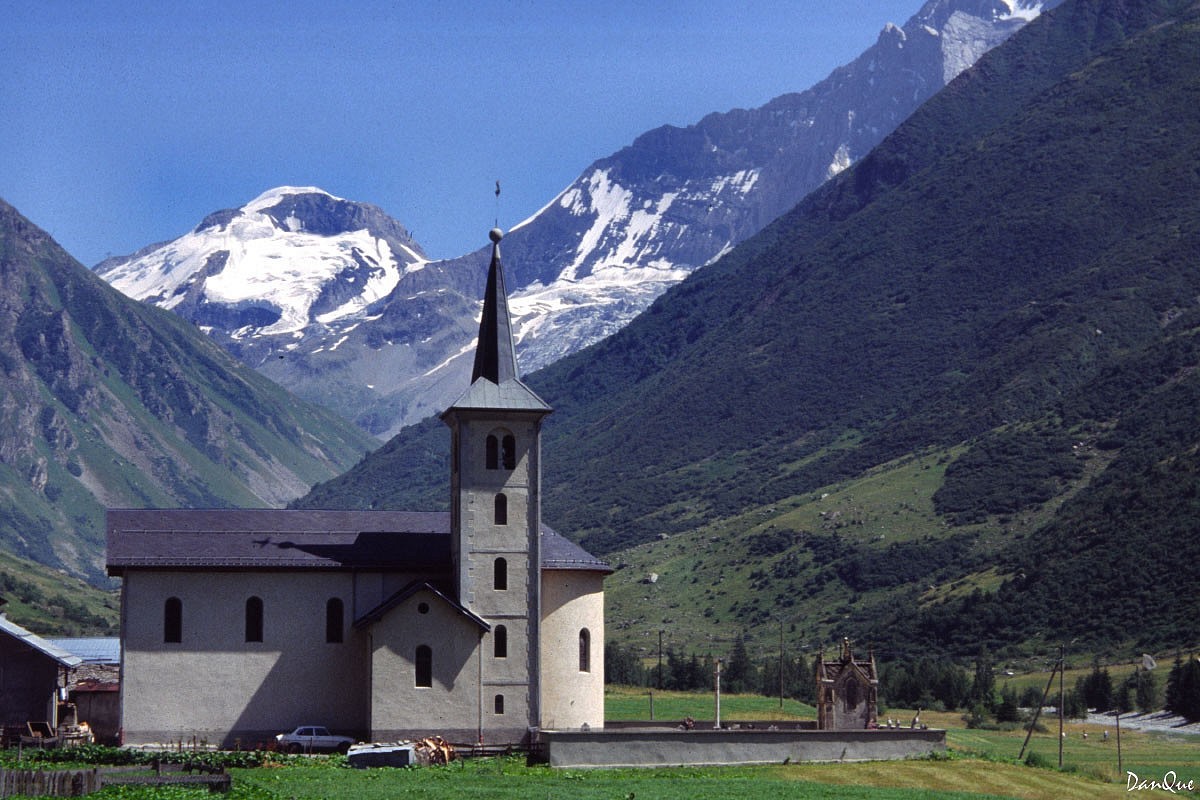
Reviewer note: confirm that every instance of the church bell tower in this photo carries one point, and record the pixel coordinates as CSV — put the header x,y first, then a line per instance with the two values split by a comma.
x,y
495,516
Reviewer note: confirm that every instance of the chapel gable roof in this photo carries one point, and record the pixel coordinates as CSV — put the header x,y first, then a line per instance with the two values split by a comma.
x,y
400,597
832,670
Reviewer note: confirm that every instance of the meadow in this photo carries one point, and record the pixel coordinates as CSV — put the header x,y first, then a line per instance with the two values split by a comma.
x,y
978,763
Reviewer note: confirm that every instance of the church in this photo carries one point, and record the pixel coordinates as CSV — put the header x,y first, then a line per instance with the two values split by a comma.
x,y
478,625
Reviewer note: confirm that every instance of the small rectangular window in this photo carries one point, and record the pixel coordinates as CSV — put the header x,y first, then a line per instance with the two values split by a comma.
x,y
334,620
254,619
173,621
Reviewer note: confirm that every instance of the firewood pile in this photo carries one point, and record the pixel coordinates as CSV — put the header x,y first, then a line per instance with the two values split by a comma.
x,y
433,750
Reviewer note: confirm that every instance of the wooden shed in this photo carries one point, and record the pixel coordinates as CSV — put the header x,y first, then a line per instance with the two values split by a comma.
x,y
33,677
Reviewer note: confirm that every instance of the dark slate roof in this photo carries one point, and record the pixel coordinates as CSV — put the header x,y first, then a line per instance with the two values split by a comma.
x,y
381,610
39,644
495,356
280,539
559,552
295,539
508,396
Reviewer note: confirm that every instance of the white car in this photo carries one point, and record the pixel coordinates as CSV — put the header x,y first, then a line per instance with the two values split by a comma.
x,y
310,738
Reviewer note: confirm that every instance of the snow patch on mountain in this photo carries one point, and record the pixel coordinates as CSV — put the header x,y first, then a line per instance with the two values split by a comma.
x,y
249,258
272,197
841,160
289,270
1021,10
966,37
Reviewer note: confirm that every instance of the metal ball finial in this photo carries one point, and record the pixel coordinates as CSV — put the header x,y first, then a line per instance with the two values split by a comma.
x,y
495,234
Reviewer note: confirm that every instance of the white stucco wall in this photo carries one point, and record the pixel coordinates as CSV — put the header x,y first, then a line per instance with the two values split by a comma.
x,y
571,601
451,706
214,685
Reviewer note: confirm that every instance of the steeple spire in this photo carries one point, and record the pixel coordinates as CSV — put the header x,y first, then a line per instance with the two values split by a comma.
x,y
495,356
495,382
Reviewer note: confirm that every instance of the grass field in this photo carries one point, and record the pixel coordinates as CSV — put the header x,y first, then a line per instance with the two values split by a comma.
x,y
979,763
982,761
621,703
508,779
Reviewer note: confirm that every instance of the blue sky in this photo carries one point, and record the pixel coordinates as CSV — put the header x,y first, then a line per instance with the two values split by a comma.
x,y
124,124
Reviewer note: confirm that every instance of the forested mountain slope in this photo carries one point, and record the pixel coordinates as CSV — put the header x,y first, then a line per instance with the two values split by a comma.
x,y
1011,272
109,402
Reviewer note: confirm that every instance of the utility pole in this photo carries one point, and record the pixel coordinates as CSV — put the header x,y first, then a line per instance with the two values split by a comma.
x,y
1120,771
660,633
781,662
1062,700
1038,713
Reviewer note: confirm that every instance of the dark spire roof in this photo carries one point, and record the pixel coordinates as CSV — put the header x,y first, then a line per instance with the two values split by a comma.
x,y
495,358
495,382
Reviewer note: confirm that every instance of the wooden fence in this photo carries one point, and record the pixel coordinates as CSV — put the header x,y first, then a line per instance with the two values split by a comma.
x,y
79,782
49,783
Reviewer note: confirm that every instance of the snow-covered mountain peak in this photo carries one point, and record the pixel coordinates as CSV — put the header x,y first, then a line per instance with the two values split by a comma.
x,y
332,299
272,197
291,257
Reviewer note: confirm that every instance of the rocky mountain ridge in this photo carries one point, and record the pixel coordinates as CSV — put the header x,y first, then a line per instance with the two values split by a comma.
x,y
371,329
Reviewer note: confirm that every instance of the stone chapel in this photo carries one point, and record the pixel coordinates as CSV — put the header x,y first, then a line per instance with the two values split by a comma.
x,y
847,691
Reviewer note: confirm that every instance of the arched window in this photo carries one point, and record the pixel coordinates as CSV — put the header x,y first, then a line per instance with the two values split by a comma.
x,y
585,651
254,619
492,458
498,704
508,450
851,693
500,642
500,574
501,515
424,663
334,615
173,620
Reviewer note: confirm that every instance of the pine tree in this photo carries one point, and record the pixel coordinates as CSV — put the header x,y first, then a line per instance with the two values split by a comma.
x,y
983,688
698,676
1008,710
951,686
621,666
676,672
1096,688
1186,700
1123,697
1147,691
739,672
1174,699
